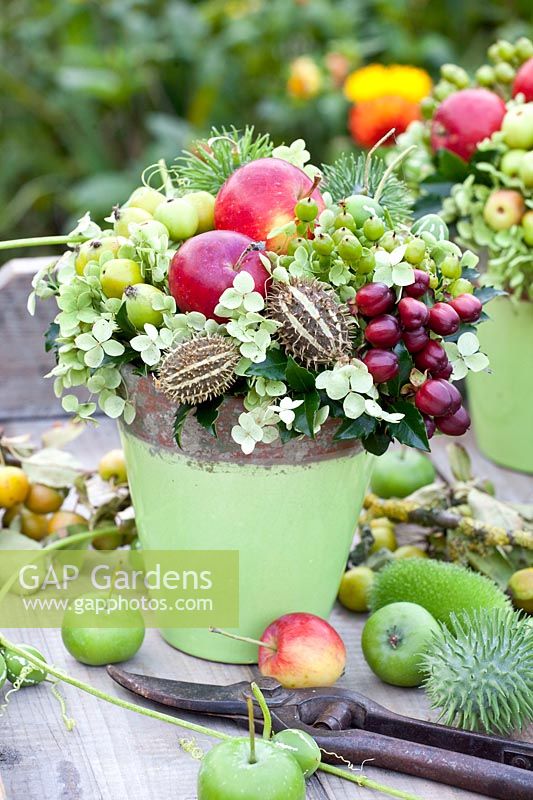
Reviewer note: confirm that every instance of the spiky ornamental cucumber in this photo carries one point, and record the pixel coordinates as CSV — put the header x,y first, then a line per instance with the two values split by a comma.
x,y
439,587
480,671
314,326
198,370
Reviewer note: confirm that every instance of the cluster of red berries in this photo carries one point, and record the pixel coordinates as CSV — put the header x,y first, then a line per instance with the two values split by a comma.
x,y
412,321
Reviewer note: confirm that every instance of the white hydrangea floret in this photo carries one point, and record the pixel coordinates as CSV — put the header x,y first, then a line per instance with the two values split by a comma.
x,y
240,298
255,426
390,268
285,410
349,383
465,355
151,343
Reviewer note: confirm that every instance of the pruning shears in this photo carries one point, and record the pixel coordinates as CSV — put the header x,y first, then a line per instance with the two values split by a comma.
x,y
348,726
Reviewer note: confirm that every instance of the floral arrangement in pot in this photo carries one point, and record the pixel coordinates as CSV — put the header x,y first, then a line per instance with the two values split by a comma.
x,y
479,171
293,312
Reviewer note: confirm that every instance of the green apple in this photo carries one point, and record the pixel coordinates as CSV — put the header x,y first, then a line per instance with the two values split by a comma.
x,y
503,209
517,127
124,217
527,228
119,273
510,164
204,203
302,747
93,643
393,640
362,207
146,198
139,305
354,588
179,216
399,473
526,169
226,773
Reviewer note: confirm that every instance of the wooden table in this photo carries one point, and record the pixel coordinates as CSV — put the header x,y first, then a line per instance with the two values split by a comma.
x,y
116,755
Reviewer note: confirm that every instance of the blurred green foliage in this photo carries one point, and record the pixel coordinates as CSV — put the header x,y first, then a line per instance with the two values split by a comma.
x,y
91,91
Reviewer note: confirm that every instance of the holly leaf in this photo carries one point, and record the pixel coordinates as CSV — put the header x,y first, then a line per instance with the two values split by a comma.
x,y
128,355
207,414
124,323
450,166
487,293
286,434
405,363
358,428
304,419
411,429
377,443
299,378
273,367
50,337
182,413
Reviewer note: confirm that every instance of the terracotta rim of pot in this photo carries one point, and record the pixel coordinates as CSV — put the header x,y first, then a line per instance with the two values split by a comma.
x,y
154,422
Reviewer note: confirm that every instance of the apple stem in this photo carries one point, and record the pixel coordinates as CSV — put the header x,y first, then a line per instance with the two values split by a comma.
x,y
251,730
390,169
265,711
249,249
42,241
165,176
369,155
361,780
246,639
316,182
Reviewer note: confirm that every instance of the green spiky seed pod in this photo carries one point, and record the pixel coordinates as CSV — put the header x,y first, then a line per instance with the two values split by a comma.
x,y
198,370
314,326
441,588
480,671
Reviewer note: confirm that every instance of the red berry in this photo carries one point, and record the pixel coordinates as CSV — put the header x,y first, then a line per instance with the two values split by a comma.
x,y
383,331
420,286
413,313
467,306
374,299
382,364
455,424
430,425
437,398
443,319
443,373
433,357
415,340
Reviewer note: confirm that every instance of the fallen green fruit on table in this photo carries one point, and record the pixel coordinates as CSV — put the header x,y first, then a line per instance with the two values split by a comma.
x,y
91,643
399,473
302,747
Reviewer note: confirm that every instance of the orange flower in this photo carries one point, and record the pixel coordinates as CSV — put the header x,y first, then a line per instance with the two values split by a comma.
x,y
370,120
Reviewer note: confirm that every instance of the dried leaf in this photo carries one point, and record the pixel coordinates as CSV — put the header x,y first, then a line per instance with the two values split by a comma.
x,y
52,467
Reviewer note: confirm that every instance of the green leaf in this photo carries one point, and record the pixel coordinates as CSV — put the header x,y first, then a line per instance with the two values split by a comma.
x,y
305,414
377,443
299,378
358,428
411,429
207,414
286,434
405,363
273,367
487,293
182,413
128,355
50,337
123,321
450,166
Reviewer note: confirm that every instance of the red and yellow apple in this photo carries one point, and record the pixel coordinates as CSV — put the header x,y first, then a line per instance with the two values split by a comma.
x,y
464,119
207,264
260,197
302,650
503,209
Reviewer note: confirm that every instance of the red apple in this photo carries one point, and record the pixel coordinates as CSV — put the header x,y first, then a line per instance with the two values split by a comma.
x,y
523,82
464,119
206,265
308,652
503,209
261,196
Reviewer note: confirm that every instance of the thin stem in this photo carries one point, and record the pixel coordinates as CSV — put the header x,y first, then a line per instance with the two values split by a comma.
x,y
116,701
265,711
251,730
165,176
360,780
246,639
369,155
390,169
41,241
316,182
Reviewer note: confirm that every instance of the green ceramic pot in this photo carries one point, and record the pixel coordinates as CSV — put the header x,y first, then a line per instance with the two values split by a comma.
x,y
501,402
290,510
